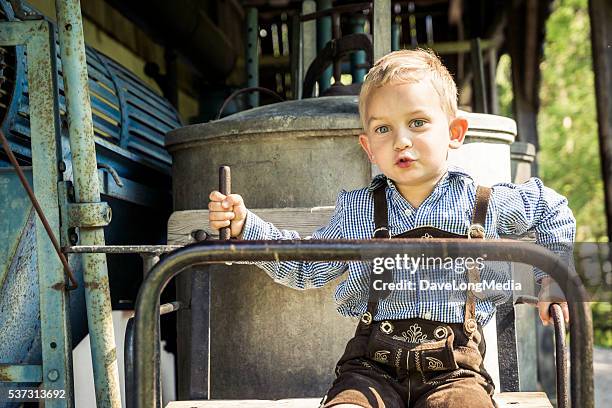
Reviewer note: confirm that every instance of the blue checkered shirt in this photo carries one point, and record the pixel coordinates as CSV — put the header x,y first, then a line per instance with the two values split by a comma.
x,y
513,210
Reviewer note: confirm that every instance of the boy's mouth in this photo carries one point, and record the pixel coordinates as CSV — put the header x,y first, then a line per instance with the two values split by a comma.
x,y
404,161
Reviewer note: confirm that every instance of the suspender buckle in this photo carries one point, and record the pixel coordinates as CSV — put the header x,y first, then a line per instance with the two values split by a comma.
x,y
381,232
366,318
470,326
476,231
386,327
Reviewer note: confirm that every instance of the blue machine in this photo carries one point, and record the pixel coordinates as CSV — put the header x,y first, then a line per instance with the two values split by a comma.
x,y
130,121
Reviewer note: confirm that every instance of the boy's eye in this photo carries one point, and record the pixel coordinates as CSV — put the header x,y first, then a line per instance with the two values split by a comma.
x,y
417,123
382,129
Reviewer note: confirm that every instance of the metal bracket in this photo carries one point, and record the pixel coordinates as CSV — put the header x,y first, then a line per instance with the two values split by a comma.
x,y
79,215
89,215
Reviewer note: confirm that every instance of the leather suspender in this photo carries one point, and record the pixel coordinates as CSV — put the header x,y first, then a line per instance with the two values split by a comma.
x,y
477,231
381,218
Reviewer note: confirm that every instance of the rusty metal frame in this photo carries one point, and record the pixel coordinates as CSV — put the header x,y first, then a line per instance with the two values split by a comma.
x,y
38,37
148,302
87,191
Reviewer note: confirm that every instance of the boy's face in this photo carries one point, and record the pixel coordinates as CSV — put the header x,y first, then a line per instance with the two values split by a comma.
x,y
408,134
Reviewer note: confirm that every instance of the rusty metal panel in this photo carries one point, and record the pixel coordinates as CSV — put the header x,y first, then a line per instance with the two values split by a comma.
x,y
20,373
39,39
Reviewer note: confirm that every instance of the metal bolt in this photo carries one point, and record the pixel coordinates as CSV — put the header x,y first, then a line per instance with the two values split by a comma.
x,y
53,375
199,235
73,237
62,166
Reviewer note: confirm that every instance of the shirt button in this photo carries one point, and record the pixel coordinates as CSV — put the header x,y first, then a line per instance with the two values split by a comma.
x,y
427,316
408,212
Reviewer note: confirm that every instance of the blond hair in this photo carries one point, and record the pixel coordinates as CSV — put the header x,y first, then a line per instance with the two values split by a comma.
x,y
411,66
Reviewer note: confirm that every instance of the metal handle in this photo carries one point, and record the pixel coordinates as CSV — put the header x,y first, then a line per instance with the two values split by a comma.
x,y
225,187
561,355
179,261
561,350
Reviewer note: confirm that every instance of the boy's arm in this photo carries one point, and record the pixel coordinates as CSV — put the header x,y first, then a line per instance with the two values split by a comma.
x,y
533,207
298,274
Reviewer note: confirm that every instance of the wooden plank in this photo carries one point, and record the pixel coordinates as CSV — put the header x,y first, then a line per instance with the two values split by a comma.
x,y
303,220
522,400
286,403
504,400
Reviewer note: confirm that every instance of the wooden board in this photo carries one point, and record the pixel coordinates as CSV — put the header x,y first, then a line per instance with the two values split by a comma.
x,y
522,400
303,220
504,400
287,403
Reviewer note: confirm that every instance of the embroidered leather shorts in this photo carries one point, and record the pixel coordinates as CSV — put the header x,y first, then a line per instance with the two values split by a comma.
x,y
412,363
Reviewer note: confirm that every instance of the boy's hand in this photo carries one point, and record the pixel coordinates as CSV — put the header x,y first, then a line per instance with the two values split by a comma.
x,y
226,211
551,293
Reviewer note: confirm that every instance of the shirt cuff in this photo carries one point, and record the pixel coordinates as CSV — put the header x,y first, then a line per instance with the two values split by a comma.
x,y
539,275
254,228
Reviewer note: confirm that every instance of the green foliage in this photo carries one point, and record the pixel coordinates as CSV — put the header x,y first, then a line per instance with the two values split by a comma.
x,y
602,324
567,125
504,86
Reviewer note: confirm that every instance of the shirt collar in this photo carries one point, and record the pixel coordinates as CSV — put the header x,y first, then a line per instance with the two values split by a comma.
x,y
452,171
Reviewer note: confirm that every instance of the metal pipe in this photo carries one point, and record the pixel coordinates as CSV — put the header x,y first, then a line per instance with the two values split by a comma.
x,y
381,27
252,54
561,355
396,33
308,38
120,249
324,35
95,274
480,97
128,364
358,59
556,314
147,303
225,188
336,34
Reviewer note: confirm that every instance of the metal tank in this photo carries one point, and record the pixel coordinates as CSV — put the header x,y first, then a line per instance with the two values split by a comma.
x,y
267,340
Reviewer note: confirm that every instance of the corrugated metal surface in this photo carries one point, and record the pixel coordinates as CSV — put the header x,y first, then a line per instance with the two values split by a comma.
x,y
126,113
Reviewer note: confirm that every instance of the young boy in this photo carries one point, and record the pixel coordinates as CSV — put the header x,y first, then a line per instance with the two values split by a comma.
x,y
416,347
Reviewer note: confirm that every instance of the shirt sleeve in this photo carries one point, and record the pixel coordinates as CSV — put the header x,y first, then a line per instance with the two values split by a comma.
x,y
533,207
299,274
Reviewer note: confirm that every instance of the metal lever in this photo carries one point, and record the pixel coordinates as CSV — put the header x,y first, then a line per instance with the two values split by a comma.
x,y
225,187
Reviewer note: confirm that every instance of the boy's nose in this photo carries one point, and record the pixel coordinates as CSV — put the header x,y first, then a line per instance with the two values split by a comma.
x,y
402,141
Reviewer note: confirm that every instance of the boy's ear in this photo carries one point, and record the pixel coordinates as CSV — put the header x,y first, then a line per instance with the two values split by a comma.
x,y
457,129
365,145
